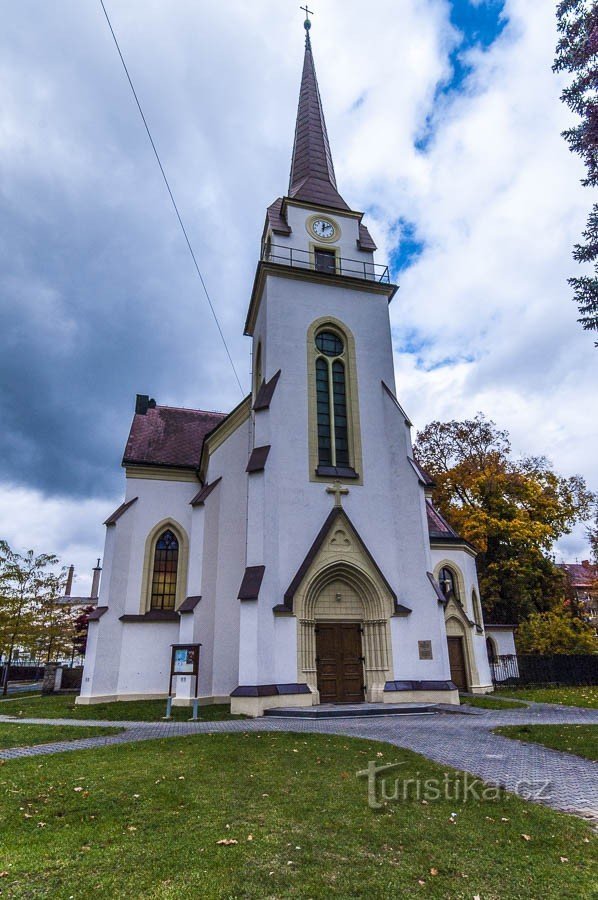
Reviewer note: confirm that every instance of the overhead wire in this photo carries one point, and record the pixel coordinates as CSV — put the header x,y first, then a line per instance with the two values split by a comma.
x,y
171,195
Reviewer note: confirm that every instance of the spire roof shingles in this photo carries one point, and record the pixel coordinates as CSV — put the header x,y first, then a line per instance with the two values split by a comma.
x,y
312,176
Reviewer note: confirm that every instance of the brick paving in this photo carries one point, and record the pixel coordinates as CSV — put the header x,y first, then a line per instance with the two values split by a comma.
x,y
463,741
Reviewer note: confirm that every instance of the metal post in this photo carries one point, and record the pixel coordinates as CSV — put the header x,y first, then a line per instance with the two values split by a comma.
x,y
194,717
168,708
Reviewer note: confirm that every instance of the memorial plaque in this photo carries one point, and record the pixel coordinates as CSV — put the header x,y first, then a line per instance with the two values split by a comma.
x,y
425,649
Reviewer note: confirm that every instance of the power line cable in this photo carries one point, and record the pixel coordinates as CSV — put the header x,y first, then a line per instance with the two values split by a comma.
x,y
176,209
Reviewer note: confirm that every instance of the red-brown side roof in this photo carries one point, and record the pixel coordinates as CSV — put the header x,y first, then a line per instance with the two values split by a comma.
x,y
437,524
581,575
169,436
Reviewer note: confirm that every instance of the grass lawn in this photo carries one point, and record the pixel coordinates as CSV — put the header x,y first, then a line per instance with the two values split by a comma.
x,y
487,702
579,739
62,706
145,820
17,735
567,696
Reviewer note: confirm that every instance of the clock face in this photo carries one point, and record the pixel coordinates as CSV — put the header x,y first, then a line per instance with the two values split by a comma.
x,y
323,229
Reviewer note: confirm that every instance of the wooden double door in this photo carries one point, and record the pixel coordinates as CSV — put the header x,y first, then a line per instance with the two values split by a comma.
x,y
339,662
456,653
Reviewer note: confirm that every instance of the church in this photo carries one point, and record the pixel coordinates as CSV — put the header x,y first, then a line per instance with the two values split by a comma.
x,y
293,538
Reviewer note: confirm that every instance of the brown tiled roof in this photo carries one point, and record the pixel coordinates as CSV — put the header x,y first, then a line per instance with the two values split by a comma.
x,y
312,172
203,494
365,240
169,436
252,582
115,516
276,220
437,524
581,575
424,477
266,392
257,460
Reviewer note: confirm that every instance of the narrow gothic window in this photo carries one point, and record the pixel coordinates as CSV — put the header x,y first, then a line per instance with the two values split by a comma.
x,y
166,558
448,583
331,396
477,609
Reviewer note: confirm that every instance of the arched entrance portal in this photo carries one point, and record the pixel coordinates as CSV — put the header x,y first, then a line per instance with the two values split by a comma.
x,y
344,638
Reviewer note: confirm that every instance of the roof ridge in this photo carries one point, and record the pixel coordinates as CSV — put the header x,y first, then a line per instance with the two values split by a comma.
x,y
211,412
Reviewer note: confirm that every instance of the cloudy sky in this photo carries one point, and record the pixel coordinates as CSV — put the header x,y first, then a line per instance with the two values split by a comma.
x,y
445,124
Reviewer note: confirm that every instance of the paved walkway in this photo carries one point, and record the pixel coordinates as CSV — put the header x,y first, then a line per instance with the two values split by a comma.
x,y
464,741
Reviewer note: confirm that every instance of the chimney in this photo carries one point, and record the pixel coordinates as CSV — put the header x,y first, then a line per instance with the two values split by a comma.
x,y
69,581
95,583
143,403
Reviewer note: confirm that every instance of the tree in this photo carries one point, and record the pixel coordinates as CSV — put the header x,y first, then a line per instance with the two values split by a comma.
x,y
512,511
80,629
577,53
27,586
556,631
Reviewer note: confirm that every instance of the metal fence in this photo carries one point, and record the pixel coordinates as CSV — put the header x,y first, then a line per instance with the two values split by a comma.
x,y
557,668
22,673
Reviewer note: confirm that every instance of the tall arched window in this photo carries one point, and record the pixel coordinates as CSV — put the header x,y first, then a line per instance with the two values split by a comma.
x,y
448,583
331,395
164,574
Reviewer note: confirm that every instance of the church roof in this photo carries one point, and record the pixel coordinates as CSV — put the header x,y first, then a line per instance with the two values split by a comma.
x,y
438,527
312,178
169,436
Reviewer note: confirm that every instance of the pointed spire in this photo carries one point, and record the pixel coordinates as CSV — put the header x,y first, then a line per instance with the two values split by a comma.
x,y
312,172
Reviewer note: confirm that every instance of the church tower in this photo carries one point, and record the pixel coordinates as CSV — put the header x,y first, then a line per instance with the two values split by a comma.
x,y
336,515
293,538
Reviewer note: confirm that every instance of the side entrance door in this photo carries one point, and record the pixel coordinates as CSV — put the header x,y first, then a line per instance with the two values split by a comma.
x,y
339,662
457,662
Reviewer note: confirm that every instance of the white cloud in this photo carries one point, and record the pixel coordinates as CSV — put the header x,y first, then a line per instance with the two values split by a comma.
x,y
496,199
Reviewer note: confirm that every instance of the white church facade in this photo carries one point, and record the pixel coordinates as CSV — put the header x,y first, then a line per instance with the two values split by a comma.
x,y
293,538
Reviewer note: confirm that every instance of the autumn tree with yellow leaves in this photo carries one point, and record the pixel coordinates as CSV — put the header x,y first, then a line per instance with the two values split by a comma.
x,y
511,510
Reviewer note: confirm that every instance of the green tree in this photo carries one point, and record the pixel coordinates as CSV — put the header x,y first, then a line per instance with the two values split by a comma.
x,y
577,53
556,631
28,583
512,511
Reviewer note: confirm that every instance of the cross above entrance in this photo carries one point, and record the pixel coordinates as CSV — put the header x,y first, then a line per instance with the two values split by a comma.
x,y
338,490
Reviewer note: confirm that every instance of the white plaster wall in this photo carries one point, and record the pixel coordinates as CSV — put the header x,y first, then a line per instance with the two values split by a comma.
x,y
128,658
504,640
464,562
387,510
157,501
144,665
300,239
225,557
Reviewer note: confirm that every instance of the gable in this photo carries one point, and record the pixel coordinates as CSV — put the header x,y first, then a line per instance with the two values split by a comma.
x,y
337,542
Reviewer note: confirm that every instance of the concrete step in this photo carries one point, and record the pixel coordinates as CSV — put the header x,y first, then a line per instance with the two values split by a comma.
x,y
351,711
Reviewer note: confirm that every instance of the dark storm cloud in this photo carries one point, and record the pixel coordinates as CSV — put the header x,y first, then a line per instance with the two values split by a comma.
x,y
99,299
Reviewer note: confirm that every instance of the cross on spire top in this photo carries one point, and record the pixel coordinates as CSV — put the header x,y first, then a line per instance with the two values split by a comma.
x,y
307,24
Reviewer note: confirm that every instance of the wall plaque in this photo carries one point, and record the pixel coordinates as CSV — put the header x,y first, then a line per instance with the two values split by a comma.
x,y
425,649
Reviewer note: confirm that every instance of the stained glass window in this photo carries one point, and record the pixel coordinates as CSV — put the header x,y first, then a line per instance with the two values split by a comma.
x,y
331,396
166,558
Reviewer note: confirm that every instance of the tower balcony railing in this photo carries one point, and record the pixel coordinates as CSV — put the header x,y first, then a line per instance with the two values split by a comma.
x,y
325,261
